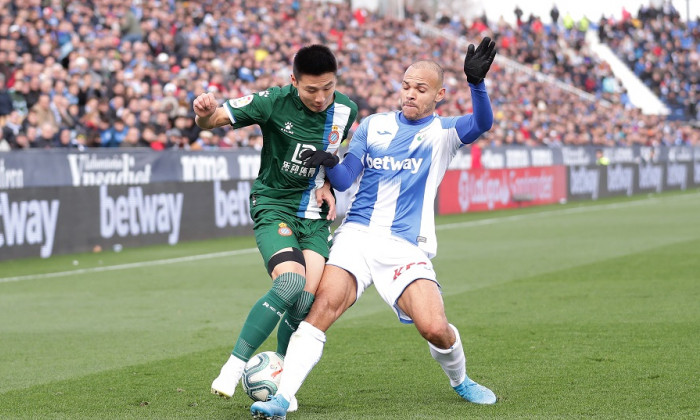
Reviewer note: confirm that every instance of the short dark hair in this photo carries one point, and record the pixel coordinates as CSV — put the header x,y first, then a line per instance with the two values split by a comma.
x,y
314,60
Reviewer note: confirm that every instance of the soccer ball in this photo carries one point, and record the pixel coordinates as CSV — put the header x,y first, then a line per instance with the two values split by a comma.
x,y
262,374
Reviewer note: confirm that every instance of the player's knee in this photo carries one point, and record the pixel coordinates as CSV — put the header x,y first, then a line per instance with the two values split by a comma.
x,y
302,306
323,313
438,333
288,287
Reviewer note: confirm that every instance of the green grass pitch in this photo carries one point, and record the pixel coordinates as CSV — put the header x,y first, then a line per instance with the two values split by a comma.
x,y
585,310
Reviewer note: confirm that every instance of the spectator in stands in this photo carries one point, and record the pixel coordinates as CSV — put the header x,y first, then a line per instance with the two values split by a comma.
x,y
5,100
63,139
133,138
205,141
46,137
4,144
113,136
178,140
229,140
554,14
22,141
12,128
17,93
160,141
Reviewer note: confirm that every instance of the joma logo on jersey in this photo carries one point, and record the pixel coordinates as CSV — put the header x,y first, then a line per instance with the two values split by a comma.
x,y
401,270
388,163
287,128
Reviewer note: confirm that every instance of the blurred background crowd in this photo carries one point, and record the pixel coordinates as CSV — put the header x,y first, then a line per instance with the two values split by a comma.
x,y
109,73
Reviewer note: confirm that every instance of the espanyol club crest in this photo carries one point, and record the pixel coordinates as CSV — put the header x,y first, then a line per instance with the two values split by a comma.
x,y
284,230
334,136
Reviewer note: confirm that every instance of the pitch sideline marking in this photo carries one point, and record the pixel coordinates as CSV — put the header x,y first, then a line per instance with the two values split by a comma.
x,y
200,257
129,265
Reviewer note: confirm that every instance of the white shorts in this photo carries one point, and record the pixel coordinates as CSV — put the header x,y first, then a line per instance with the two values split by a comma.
x,y
390,263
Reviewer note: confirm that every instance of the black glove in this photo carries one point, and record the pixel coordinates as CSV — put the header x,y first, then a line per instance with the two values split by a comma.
x,y
477,63
314,158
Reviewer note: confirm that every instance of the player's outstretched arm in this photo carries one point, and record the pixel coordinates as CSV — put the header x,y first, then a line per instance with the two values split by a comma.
x,y
208,114
478,61
341,175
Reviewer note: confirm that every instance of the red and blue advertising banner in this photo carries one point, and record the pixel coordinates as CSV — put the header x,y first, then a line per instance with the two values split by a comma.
x,y
493,189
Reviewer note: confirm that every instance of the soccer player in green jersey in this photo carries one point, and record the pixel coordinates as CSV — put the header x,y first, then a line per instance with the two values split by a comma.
x,y
292,227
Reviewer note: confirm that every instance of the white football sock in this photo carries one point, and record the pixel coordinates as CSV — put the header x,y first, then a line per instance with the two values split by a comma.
x,y
451,360
234,367
304,351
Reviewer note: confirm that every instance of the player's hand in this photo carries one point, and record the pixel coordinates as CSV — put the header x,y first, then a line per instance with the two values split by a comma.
x,y
204,105
314,158
324,194
478,62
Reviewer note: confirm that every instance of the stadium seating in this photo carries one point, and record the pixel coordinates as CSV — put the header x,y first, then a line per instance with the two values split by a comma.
x,y
119,75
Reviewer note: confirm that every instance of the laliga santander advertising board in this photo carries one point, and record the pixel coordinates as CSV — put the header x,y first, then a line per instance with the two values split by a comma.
x,y
494,189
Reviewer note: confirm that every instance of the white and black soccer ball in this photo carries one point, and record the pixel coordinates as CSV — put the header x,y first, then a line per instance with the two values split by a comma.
x,y
262,374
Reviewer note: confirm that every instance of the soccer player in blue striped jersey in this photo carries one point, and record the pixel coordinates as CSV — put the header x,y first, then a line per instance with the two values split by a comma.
x,y
388,235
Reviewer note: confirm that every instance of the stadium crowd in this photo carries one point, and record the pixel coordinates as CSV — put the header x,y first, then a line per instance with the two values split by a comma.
x,y
663,51
105,73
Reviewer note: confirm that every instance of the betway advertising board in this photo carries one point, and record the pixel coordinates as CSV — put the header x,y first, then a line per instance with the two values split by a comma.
x,y
495,189
59,220
593,182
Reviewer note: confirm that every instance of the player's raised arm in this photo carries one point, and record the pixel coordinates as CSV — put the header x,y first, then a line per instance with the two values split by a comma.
x,y
477,63
208,114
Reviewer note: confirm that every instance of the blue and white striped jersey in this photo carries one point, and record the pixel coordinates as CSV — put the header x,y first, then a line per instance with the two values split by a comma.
x,y
404,162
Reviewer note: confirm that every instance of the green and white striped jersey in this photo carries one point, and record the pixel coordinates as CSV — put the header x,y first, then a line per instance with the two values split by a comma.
x,y
289,128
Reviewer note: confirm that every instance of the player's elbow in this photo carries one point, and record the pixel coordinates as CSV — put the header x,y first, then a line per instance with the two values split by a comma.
x,y
341,186
201,123
484,124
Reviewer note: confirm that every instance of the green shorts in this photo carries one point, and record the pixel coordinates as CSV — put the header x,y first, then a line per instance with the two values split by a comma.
x,y
275,230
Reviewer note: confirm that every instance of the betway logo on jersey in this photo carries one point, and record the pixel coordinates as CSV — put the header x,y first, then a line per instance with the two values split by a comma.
x,y
93,170
388,163
137,214
32,222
